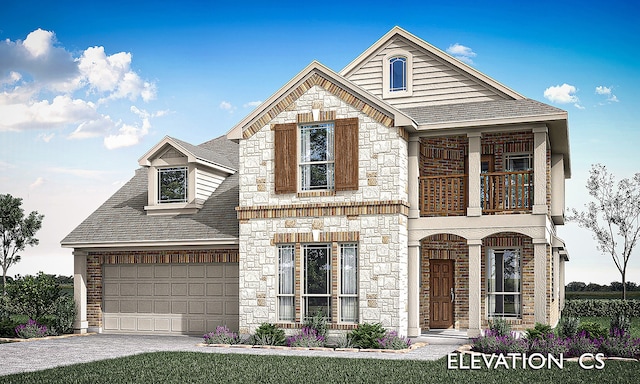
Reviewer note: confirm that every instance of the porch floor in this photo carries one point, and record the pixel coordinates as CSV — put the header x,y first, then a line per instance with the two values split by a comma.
x,y
444,336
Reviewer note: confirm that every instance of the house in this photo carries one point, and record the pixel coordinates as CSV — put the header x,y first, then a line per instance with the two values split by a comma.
x,y
407,189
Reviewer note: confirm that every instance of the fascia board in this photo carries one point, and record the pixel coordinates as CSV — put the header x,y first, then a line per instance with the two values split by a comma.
x,y
151,243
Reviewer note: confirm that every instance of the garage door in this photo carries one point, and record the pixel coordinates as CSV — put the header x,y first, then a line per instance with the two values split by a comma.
x,y
170,298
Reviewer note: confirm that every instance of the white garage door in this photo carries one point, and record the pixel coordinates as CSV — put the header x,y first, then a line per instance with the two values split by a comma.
x,y
170,298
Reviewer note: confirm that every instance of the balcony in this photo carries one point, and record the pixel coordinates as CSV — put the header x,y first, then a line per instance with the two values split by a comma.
x,y
500,192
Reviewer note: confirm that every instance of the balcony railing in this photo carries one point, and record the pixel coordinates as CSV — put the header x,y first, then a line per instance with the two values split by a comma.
x,y
500,192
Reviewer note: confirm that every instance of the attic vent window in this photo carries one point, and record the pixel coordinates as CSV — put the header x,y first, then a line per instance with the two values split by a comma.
x,y
398,74
172,185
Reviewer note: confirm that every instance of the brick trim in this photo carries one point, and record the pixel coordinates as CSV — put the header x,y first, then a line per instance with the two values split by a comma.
x,y
324,209
325,237
317,79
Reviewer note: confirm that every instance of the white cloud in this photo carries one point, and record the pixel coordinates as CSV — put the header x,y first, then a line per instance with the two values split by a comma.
x,y
462,53
225,105
46,137
39,182
563,94
252,104
48,87
129,135
607,91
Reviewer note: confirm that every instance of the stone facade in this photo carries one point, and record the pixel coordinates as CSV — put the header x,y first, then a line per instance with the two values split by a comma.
x,y
375,213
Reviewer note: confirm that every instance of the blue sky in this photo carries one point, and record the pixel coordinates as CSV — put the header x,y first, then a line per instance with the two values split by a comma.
x,y
86,89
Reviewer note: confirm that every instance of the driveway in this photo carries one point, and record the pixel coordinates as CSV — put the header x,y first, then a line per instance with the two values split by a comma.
x,y
43,354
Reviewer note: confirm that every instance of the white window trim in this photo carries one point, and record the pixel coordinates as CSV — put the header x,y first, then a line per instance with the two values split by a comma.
x,y
184,169
299,162
386,73
280,295
516,155
488,276
341,280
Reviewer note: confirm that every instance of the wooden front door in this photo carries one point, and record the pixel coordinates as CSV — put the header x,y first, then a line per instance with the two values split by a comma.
x,y
440,287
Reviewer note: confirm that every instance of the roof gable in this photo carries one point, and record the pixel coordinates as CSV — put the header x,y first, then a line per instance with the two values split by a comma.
x,y
194,154
438,78
317,74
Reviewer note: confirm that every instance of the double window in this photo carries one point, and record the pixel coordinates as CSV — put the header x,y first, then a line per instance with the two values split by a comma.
x,y
316,157
172,185
504,282
318,291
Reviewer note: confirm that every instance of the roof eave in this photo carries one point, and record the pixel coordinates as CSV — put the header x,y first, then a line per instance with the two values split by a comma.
x,y
150,243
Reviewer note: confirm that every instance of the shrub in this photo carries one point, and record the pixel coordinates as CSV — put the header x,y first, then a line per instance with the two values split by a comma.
x,y
222,335
601,308
63,315
31,329
308,337
581,344
268,334
593,330
32,296
8,327
548,344
366,335
621,346
538,332
619,325
344,341
492,342
568,326
391,340
318,322
499,327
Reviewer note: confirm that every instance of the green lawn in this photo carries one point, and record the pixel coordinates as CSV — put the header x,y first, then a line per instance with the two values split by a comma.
x,y
194,367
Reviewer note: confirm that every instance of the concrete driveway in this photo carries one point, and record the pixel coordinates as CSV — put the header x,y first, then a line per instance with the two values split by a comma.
x,y
43,354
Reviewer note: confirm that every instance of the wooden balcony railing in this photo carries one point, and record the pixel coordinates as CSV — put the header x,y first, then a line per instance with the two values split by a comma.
x,y
446,195
506,191
443,195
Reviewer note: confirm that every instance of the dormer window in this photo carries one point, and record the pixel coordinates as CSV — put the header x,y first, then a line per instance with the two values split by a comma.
x,y
397,74
172,185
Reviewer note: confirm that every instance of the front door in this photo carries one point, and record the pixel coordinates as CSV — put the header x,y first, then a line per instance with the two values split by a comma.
x,y
441,293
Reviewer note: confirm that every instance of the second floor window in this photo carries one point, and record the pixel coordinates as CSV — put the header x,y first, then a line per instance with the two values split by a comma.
x,y
317,157
172,185
398,74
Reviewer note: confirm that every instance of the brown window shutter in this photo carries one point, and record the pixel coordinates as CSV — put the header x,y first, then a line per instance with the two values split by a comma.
x,y
346,154
285,158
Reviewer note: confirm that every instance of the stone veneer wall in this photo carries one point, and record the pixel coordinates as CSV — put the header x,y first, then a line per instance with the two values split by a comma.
x,y
96,259
377,212
454,248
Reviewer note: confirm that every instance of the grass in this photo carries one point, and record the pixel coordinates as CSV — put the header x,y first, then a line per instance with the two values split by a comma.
x,y
634,330
194,367
632,295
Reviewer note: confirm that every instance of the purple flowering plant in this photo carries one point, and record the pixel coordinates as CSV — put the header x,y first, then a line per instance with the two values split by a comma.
x,y
308,337
31,329
222,335
391,340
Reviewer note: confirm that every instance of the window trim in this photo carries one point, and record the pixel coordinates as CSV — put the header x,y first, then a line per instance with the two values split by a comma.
x,y
387,93
341,284
279,295
159,172
331,163
518,314
303,283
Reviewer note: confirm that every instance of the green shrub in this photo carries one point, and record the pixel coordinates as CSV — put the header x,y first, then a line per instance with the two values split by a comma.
x,y
499,327
601,308
8,327
366,335
63,315
568,326
269,334
33,296
538,332
620,324
593,329
317,322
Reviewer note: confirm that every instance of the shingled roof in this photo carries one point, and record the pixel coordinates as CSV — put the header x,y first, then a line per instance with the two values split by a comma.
x,y
122,218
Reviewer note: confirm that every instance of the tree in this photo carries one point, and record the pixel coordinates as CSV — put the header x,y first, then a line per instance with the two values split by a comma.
x,y
17,230
576,286
613,217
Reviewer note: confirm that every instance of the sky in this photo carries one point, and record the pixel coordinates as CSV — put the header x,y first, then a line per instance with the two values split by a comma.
x,y
86,88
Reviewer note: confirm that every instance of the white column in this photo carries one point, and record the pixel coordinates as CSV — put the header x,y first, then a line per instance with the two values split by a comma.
x,y
80,290
540,280
540,171
414,178
414,291
473,190
475,287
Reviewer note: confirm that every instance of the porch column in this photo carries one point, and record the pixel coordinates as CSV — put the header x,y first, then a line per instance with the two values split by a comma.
x,y
475,287
414,291
81,324
540,170
540,280
414,178
473,189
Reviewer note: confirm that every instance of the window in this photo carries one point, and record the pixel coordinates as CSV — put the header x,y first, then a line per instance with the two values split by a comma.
x,y
317,280
316,157
518,162
398,74
503,283
172,185
349,283
286,286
